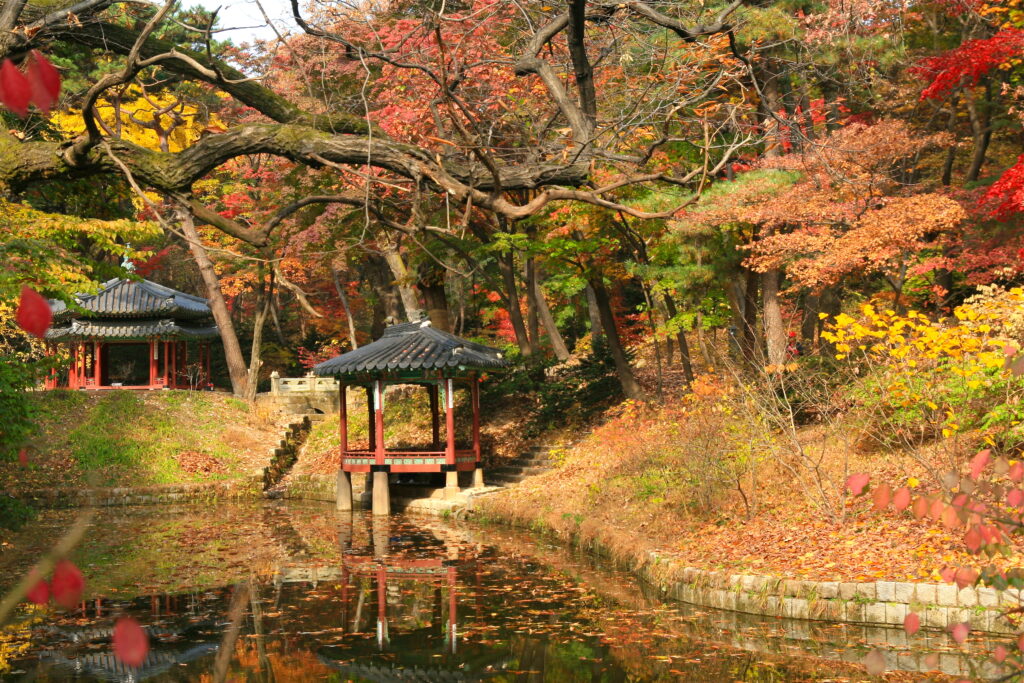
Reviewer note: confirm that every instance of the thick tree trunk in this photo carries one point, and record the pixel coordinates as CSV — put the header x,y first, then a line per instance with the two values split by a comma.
x,y
435,297
630,387
348,310
548,320
403,281
221,315
508,277
388,304
774,329
436,301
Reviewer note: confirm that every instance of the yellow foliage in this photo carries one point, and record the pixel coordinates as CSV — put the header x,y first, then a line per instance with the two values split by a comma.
x,y
151,121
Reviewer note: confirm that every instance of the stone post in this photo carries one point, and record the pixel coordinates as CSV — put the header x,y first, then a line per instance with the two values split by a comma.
x,y
275,382
381,495
344,495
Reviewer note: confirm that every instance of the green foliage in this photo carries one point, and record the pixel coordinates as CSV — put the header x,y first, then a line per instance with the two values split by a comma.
x,y
559,396
14,514
17,413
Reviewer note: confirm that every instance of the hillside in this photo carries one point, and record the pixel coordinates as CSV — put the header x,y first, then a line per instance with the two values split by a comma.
x,y
125,438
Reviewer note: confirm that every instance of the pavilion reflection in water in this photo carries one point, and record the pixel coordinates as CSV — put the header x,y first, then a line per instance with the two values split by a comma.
x,y
407,577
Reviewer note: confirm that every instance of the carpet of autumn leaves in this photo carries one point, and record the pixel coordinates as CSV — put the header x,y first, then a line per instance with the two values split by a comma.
x,y
637,483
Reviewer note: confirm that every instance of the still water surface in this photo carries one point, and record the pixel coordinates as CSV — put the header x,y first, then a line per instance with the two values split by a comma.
x,y
319,595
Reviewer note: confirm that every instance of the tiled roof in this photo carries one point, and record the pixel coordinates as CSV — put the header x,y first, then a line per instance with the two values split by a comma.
x,y
128,329
413,346
124,298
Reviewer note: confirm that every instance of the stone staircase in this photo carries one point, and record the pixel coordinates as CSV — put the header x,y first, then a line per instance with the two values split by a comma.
x,y
536,460
284,455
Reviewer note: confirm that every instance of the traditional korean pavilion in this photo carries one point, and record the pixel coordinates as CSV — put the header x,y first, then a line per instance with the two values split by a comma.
x,y
134,334
411,353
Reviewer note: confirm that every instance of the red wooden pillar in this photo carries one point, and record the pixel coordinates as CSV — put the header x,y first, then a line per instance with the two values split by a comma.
x,y
97,375
449,421
343,421
371,423
435,417
174,364
474,389
153,353
73,368
80,380
167,360
378,420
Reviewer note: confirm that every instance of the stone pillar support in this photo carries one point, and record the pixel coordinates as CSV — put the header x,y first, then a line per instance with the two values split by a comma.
x,y
381,495
344,495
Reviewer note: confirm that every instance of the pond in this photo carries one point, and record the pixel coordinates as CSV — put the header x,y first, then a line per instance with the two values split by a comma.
x,y
296,592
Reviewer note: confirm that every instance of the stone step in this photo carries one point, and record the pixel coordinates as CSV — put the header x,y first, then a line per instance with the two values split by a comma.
x,y
500,479
520,470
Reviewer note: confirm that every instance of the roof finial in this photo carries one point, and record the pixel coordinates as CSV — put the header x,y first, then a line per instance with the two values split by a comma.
x,y
126,262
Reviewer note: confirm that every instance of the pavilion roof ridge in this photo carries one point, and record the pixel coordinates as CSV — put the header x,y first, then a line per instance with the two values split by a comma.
x,y
133,298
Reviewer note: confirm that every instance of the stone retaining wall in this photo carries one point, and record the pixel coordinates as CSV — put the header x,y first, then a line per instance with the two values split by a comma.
x,y
879,603
250,488
876,603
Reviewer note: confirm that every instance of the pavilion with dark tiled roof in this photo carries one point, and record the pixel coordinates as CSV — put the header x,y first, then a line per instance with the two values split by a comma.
x,y
411,353
133,334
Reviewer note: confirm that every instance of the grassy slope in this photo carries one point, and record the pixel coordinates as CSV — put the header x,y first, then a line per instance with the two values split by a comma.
x,y
124,438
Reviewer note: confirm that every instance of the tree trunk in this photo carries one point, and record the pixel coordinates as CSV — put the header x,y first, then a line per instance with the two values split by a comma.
x,y
630,387
596,328
255,354
401,274
774,329
981,132
344,304
508,276
432,285
548,320
748,332
388,304
532,322
218,307
684,348
809,321
436,301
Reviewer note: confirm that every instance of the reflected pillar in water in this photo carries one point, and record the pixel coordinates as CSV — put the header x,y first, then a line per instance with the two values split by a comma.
x,y
345,531
451,635
381,533
381,495
343,494
382,617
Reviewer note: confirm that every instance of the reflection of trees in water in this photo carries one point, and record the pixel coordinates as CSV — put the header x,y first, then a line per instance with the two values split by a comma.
x,y
521,608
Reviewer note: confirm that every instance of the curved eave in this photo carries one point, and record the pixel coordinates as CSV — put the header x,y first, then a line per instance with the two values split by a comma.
x,y
81,330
